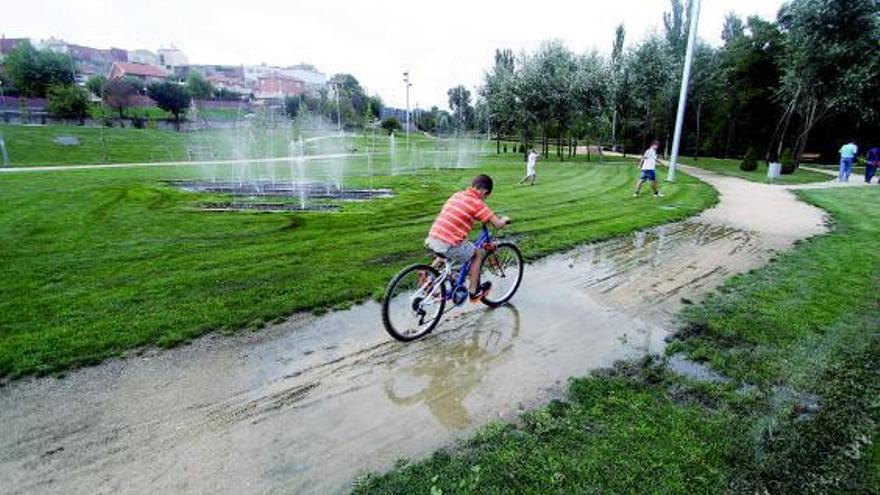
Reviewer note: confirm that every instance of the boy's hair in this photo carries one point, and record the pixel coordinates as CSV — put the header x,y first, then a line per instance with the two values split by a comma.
x,y
655,142
483,182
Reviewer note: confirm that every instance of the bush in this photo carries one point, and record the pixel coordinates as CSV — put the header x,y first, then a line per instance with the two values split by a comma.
x,y
391,124
68,102
787,161
749,162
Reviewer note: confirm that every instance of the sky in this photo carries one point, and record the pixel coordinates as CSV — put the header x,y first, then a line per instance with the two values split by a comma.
x,y
442,43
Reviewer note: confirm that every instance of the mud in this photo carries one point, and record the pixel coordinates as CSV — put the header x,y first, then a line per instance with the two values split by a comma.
x,y
306,406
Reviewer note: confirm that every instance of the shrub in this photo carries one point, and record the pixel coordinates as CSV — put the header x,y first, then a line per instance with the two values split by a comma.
x,y
391,124
68,102
749,162
787,161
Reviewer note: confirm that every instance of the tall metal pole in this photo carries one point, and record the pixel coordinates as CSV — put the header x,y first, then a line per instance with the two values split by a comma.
x,y
682,95
338,115
408,84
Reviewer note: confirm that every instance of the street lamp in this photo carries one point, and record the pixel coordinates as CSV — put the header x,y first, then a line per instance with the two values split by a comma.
x,y
682,95
338,115
408,84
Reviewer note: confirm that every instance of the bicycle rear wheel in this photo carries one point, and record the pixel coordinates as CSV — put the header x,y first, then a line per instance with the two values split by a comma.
x,y
413,303
504,268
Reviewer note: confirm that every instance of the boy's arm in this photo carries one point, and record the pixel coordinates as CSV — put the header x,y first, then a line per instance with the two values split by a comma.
x,y
498,222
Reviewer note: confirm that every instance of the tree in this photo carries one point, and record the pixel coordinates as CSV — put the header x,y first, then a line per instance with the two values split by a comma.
x,y
33,71
376,106
171,97
119,95
352,99
199,88
618,79
391,124
830,64
733,28
500,94
291,106
95,84
650,69
460,104
68,102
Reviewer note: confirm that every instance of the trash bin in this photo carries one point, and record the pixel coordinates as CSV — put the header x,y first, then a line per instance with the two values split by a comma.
x,y
774,170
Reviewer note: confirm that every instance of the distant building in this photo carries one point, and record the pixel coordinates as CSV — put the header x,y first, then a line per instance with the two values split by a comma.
x,y
87,61
397,113
142,56
278,86
313,79
172,57
7,44
144,73
230,84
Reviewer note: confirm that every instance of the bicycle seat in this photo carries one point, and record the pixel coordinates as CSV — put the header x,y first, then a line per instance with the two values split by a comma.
x,y
435,253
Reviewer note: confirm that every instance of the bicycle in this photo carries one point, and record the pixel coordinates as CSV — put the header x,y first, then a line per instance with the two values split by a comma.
x,y
416,297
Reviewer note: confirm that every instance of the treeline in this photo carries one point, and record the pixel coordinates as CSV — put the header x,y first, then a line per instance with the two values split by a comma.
x,y
804,82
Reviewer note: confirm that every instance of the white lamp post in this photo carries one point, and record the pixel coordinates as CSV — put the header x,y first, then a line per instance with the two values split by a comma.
x,y
682,95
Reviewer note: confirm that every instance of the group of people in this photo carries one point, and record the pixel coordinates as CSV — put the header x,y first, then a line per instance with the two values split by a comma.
x,y
647,164
848,154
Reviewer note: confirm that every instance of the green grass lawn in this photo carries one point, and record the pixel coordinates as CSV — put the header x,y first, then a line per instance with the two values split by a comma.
x,y
34,145
731,167
799,332
97,262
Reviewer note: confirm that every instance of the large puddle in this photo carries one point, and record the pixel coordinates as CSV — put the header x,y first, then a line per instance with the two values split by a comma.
x,y
307,406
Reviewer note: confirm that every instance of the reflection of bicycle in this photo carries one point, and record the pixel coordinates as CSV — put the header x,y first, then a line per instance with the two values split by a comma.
x,y
444,372
416,297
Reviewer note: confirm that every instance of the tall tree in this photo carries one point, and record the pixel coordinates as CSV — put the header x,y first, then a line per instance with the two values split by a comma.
x,y
732,29
33,71
199,87
460,104
171,97
500,94
830,64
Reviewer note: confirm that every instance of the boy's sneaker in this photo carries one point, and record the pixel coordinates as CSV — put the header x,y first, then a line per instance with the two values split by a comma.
x,y
635,195
658,195
481,292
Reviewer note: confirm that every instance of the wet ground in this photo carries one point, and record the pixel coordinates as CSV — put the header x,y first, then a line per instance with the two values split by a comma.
x,y
307,406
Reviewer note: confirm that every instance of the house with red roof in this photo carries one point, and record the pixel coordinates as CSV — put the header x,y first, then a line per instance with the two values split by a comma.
x,y
277,86
142,72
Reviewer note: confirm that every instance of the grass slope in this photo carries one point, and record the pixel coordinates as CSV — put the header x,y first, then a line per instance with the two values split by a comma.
x,y
731,167
35,146
100,261
799,338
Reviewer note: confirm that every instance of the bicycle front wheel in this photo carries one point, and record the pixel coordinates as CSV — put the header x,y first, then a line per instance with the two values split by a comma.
x,y
413,303
504,268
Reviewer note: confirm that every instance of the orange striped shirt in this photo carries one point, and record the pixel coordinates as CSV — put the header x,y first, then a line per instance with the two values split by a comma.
x,y
458,215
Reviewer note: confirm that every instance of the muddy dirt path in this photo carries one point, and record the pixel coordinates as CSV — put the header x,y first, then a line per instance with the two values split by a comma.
x,y
307,406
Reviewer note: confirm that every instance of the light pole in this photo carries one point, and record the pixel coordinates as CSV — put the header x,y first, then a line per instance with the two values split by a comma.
x,y
682,95
408,84
338,115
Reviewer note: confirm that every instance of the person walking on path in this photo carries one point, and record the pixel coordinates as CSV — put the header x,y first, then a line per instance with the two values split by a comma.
x,y
648,164
872,162
531,161
848,154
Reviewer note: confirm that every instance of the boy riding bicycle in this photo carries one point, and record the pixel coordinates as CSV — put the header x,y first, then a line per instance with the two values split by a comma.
x,y
449,233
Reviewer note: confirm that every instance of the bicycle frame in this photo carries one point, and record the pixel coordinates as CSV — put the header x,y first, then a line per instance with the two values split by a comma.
x,y
461,281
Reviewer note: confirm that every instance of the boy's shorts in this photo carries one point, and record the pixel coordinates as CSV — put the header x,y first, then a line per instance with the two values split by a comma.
x,y
649,175
461,253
